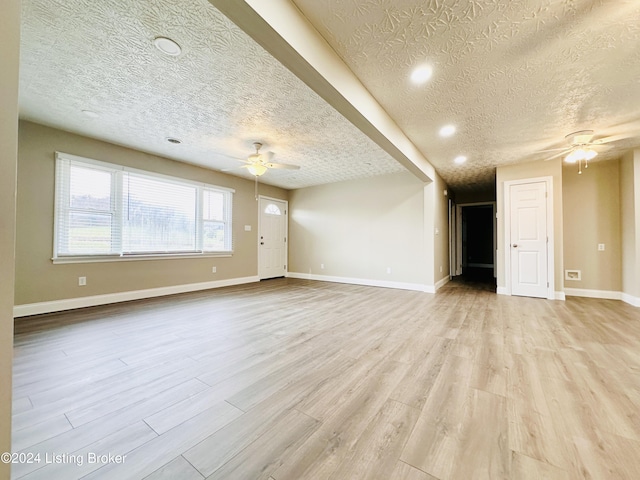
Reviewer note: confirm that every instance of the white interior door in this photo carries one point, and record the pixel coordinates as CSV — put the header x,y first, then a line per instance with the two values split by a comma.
x,y
272,245
528,239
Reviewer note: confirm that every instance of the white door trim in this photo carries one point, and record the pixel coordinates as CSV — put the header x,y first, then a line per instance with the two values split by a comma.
x,y
507,232
286,231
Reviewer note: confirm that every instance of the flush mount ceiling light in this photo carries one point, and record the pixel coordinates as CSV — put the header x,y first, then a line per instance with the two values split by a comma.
x,y
89,113
460,159
421,74
447,130
173,140
167,46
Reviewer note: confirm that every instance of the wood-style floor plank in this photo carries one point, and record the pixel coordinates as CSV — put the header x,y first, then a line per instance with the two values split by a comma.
x,y
293,379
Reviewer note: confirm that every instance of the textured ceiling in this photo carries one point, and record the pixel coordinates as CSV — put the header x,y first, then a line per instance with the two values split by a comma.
x,y
514,76
220,95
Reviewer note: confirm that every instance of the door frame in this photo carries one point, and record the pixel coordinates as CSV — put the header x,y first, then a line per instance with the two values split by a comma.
x,y
286,232
550,234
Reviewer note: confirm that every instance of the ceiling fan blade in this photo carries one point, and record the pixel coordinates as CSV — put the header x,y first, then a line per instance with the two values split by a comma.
x,y
557,155
284,166
613,138
235,169
564,149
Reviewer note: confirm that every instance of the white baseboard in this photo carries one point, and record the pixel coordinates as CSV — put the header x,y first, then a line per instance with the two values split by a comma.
x,y
364,281
502,291
605,294
631,300
588,293
559,296
91,301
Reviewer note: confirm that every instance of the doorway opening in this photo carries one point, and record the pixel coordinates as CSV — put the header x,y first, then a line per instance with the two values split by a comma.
x,y
476,244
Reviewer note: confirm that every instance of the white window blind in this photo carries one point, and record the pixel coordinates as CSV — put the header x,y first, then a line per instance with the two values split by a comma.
x,y
158,216
106,209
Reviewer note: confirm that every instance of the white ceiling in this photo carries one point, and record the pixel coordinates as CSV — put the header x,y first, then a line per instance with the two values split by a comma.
x,y
514,76
219,96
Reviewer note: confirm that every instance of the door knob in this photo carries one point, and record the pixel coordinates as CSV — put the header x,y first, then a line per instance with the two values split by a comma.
x,y
515,245
261,243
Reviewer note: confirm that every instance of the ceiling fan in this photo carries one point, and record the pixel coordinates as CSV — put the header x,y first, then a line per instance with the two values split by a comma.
x,y
258,163
582,148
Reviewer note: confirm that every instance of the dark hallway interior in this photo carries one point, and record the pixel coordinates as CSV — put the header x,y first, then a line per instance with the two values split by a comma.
x,y
478,245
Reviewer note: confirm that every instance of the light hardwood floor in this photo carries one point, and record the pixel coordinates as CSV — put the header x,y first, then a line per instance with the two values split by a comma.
x,y
292,379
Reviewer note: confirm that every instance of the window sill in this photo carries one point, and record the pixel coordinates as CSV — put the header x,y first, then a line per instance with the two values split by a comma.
x,y
135,258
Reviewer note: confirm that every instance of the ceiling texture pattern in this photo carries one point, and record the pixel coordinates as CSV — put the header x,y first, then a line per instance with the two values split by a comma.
x,y
219,96
514,76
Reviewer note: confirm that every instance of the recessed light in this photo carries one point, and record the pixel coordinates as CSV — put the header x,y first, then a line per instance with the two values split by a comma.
x,y
447,130
167,46
90,113
421,74
460,159
173,140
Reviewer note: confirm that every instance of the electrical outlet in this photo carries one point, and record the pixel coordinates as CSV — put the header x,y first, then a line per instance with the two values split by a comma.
x,y
388,269
440,268
214,269
82,281
247,228
322,266
601,247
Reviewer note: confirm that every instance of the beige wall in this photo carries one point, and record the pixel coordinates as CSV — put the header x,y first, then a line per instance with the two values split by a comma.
x,y
39,280
359,228
9,53
441,226
630,215
591,203
532,170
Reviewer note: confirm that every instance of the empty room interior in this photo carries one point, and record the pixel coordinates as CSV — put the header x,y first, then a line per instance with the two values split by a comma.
x,y
320,239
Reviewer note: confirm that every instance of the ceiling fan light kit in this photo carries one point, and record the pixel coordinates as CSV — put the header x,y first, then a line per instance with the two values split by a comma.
x,y
257,164
257,169
580,153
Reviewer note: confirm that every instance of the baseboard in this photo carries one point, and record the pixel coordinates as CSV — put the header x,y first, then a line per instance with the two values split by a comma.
x,y
588,293
559,296
364,281
442,282
631,300
91,301
502,291
605,294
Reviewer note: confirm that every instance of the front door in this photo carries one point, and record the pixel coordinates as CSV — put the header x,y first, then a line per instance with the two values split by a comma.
x,y
528,239
272,246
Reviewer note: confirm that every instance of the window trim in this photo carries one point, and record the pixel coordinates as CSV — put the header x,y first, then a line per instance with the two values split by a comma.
x,y
116,188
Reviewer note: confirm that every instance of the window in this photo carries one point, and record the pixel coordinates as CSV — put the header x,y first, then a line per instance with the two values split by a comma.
x,y
272,209
104,209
